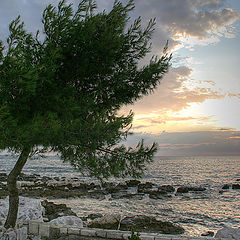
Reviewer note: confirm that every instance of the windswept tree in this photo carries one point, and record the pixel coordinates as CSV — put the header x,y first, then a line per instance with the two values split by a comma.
x,y
62,92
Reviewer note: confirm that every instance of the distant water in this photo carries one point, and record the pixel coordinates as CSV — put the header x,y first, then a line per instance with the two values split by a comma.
x,y
196,212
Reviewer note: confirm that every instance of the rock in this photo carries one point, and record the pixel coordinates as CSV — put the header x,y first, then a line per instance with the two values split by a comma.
x,y
3,177
108,221
228,233
159,194
116,188
132,183
97,194
53,210
226,186
94,215
122,186
29,209
68,220
142,223
28,177
167,188
145,187
188,189
236,186
208,234
183,190
125,194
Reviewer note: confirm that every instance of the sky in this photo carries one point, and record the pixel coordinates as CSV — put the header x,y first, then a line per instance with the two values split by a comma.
x,y
196,108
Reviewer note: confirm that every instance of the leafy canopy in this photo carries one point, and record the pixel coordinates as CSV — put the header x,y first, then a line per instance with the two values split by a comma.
x,y
63,92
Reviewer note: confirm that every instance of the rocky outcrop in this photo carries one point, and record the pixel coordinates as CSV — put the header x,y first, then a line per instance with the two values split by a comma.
x,y
52,210
139,223
142,223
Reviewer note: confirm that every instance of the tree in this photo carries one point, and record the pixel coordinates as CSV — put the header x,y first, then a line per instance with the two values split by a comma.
x,y
62,93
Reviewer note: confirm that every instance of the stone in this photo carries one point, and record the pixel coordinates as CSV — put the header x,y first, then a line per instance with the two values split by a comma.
x,y
126,194
54,232
94,215
132,183
145,187
160,194
44,230
114,234
228,233
226,186
33,227
68,220
74,231
167,188
208,234
53,211
188,189
236,186
142,223
108,221
29,209
88,232
101,233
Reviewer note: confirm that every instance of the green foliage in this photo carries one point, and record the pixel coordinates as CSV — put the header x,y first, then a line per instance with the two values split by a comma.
x,y
63,93
134,236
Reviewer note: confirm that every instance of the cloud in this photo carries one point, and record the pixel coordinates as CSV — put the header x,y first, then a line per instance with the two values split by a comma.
x,y
174,94
192,143
181,20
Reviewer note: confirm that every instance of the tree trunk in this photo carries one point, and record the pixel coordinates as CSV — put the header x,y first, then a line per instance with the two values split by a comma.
x,y
12,188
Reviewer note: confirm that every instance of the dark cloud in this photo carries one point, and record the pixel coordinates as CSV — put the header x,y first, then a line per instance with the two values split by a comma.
x,y
192,143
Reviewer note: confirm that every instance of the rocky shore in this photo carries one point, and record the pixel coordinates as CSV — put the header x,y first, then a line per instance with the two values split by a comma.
x,y
54,188
36,186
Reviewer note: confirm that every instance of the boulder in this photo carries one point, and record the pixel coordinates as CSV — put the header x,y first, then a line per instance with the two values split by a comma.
x,y
68,220
108,221
228,233
142,223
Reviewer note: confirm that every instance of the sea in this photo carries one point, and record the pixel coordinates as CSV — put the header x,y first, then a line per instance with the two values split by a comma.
x,y
197,212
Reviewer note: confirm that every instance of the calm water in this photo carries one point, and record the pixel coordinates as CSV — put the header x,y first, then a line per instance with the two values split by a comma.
x,y
196,212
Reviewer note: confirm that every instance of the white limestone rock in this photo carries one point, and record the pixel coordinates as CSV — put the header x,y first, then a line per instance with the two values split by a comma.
x,y
228,233
29,209
68,220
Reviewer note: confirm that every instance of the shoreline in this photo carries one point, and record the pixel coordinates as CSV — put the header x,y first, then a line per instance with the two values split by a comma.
x,y
116,191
